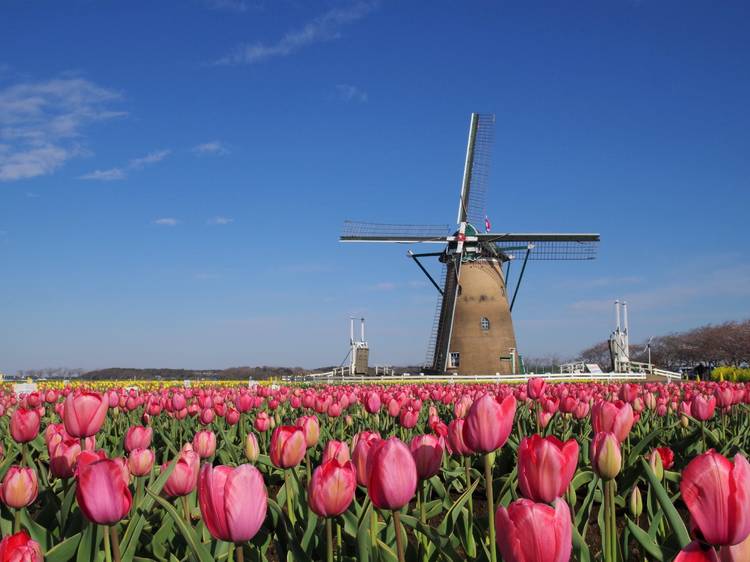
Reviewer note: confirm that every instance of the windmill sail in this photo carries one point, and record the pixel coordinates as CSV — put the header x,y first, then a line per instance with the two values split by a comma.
x,y
395,233
471,205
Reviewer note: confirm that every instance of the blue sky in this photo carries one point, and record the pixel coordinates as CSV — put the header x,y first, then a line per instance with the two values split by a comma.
x,y
174,175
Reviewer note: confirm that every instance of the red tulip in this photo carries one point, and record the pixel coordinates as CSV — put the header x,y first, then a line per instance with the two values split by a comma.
x,y
365,441
613,417
138,437
667,457
717,494
184,477
331,488
262,422
535,387
534,532
606,456
392,474
488,423
546,466
20,487
140,461
428,455
24,425
233,501
697,552
204,443
20,548
288,446
84,413
102,492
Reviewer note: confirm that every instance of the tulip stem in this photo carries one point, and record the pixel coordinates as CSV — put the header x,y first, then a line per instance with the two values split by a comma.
x,y
288,490
399,538
490,505
107,549
186,510
307,465
374,528
610,524
17,521
329,540
115,544
239,553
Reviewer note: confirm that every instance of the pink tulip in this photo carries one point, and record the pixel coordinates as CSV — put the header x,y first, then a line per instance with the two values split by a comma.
x,y
338,450
702,408
102,492
252,451
288,446
428,455
20,487
20,548
546,466
372,402
717,494
184,477
366,440
392,474
606,455
204,443
63,457
736,553
311,428
24,425
613,417
138,437
488,423
331,488
233,501
84,413
534,532
535,387
140,461
456,438
697,552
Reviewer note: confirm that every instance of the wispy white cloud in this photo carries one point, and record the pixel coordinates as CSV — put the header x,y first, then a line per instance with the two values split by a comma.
x,y
220,220
216,148
166,221
42,124
118,173
347,93
32,195
150,158
112,174
323,28
732,281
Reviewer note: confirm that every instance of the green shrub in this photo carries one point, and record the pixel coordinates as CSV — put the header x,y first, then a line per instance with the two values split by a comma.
x,y
734,374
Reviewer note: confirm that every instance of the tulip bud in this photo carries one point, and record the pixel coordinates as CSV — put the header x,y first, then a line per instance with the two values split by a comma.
x,y
657,466
204,443
606,455
331,488
251,447
636,502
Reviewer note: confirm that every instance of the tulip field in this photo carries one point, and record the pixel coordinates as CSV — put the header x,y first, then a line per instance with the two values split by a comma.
x,y
534,472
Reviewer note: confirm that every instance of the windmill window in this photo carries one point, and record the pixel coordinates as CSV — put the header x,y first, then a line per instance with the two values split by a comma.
x,y
455,359
485,323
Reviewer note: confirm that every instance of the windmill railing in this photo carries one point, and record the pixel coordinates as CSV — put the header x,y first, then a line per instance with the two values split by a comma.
x,y
408,378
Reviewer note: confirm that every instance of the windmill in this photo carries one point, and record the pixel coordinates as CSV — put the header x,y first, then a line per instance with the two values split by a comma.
x,y
473,329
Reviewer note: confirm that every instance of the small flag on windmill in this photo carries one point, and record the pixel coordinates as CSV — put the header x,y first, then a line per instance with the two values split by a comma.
x,y
487,225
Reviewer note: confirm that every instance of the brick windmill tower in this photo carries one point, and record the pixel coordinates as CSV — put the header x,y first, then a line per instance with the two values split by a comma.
x,y
473,327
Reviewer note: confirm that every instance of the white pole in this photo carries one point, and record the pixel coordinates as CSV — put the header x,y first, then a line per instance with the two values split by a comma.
x,y
617,315
351,330
362,326
625,322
